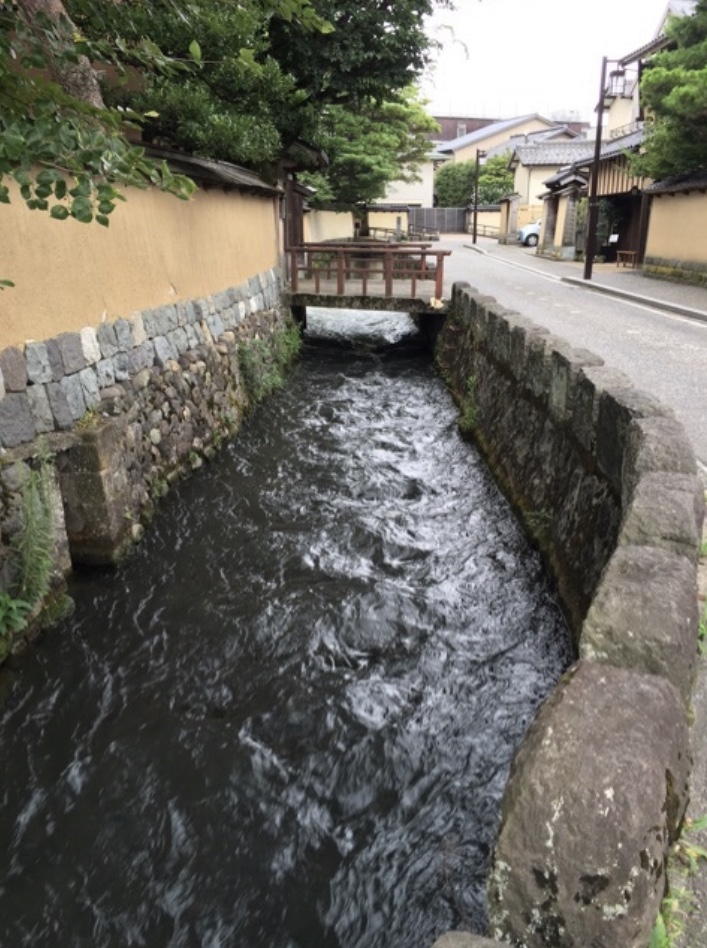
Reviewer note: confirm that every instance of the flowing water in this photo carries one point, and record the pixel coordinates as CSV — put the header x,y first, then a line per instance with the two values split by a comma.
x,y
287,720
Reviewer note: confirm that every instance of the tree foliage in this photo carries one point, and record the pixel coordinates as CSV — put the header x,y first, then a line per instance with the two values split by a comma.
x,y
65,150
369,146
266,83
239,80
455,182
236,104
375,47
674,93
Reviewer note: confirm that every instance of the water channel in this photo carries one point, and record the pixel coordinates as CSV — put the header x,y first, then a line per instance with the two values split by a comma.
x,y
287,720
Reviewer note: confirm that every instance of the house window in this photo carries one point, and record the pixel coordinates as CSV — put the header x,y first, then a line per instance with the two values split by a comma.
x,y
461,129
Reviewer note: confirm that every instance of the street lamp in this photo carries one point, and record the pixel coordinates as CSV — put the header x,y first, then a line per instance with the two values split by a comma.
x,y
617,88
480,157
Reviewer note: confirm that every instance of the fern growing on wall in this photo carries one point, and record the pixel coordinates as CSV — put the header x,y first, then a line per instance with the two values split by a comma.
x,y
263,362
33,546
35,541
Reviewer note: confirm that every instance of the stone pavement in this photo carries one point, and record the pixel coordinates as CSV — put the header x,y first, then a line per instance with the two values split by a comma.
x,y
689,301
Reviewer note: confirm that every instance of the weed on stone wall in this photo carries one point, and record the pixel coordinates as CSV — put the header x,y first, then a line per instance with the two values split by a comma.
x,y
680,901
33,548
263,362
35,542
469,417
538,523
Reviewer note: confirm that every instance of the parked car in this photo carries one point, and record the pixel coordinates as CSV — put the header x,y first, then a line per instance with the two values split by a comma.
x,y
530,234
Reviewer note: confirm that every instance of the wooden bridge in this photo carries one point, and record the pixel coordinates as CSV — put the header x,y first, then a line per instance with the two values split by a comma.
x,y
403,276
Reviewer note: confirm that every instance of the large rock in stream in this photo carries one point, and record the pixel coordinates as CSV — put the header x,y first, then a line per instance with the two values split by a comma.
x,y
596,796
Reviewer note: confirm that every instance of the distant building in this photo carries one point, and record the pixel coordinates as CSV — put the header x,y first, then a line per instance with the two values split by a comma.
x,y
454,127
635,221
492,138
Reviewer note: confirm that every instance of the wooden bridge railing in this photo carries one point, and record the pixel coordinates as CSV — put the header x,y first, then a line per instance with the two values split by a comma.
x,y
357,268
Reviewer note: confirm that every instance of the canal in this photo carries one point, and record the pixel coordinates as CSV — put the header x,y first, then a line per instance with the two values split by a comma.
x,y
288,719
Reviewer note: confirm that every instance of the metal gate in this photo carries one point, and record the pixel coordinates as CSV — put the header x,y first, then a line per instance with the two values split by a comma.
x,y
440,220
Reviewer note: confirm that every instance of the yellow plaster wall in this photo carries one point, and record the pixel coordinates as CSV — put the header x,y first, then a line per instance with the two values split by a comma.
x,y
388,219
529,213
622,113
488,223
327,225
529,182
677,228
156,250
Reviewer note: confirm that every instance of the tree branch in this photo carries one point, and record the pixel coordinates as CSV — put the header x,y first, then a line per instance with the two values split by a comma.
x,y
76,79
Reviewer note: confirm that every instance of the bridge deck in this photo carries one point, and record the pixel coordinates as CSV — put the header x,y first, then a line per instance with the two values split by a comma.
x,y
404,276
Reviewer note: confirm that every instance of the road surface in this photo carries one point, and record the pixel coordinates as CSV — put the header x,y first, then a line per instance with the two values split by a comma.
x,y
662,353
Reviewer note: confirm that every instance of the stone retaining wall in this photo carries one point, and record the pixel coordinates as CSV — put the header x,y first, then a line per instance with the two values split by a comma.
x,y
125,410
606,481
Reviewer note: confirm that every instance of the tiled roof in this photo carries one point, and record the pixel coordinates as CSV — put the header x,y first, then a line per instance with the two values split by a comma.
x,y
215,172
554,154
695,181
610,149
616,146
654,46
564,177
660,41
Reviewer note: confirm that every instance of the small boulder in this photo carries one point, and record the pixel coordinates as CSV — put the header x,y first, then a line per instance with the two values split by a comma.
x,y
596,796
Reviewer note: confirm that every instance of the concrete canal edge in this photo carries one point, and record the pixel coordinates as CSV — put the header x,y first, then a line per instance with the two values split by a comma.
x,y
606,481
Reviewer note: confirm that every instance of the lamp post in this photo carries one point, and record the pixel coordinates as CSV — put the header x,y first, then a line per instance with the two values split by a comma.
x,y
479,156
617,89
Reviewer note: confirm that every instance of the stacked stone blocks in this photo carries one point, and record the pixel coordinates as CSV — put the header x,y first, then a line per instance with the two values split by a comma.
x,y
129,406
607,482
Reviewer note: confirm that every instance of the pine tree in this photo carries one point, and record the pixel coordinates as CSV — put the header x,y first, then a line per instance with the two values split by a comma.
x,y
674,94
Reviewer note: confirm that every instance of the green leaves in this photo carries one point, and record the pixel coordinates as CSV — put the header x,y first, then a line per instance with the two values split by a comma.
x,y
68,156
12,145
237,80
370,146
455,182
304,12
659,935
372,50
13,614
674,94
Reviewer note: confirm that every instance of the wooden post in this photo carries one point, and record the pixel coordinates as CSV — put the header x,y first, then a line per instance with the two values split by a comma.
x,y
439,280
294,273
340,272
388,273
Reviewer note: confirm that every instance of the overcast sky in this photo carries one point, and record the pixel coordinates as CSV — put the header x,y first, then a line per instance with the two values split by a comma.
x,y
526,56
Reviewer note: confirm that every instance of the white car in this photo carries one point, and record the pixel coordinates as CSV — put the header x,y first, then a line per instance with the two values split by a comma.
x,y
529,235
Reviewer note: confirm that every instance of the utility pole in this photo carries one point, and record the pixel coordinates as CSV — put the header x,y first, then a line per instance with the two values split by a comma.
x,y
479,156
593,213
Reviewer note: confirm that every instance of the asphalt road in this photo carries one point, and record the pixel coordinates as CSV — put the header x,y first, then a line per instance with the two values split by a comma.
x,y
662,353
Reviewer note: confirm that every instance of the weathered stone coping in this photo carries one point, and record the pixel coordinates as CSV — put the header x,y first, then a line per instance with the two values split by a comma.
x,y
606,480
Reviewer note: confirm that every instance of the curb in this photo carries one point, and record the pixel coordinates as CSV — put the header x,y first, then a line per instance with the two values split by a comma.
x,y
665,305
651,301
